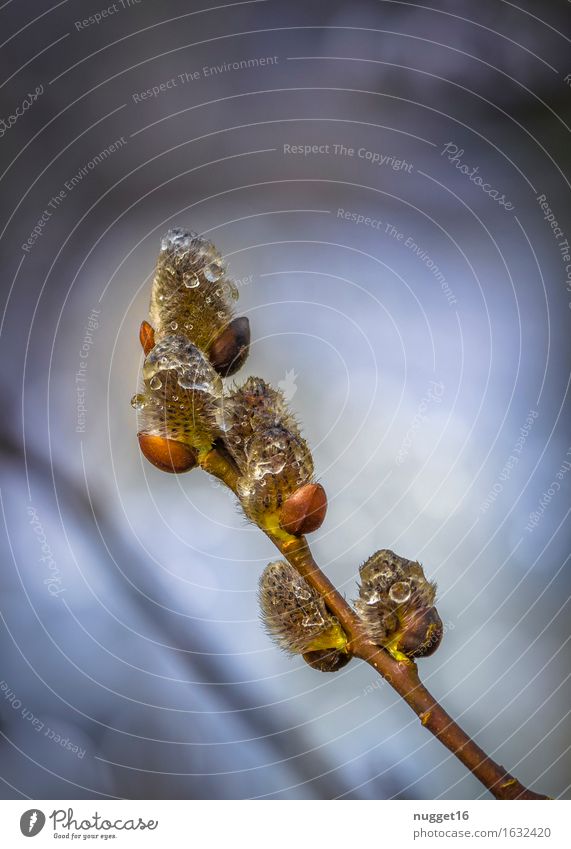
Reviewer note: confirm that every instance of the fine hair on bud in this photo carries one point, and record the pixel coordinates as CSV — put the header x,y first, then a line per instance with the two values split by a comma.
x,y
297,619
191,294
182,396
229,351
396,605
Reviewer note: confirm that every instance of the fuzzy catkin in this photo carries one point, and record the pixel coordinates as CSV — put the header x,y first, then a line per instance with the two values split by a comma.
x,y
391,586
295,615
264,440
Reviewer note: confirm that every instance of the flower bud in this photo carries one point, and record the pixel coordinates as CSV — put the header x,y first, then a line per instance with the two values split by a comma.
x,y
250,408
192,295
167,454
229,351
304,511
275,488
297,619
396,605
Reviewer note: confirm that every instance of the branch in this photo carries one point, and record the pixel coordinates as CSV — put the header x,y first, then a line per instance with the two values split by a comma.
x,y
181,415
401,675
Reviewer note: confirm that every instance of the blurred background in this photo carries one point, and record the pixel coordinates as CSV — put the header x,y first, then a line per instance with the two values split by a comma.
x,y
415,315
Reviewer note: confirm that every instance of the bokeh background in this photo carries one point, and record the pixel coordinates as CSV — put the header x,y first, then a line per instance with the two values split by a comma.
x,y
432,382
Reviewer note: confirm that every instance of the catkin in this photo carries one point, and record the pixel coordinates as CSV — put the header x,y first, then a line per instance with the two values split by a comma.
x,y
295,615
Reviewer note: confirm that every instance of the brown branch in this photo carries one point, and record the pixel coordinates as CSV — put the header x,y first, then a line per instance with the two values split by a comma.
x,y
402,676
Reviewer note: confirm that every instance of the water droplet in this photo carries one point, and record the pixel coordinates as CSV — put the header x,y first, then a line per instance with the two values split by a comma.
x,y
400,592
214,271
191,280
173,325
155,382
138,402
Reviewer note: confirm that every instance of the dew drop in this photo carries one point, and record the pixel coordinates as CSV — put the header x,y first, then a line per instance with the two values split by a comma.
x,y
155,383
400,592
314,620
191,280
233,290
138,402
173,325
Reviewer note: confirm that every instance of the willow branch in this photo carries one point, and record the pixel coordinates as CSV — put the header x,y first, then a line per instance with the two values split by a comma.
x,y
401,675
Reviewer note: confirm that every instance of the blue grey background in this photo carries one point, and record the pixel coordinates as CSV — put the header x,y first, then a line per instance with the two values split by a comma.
x,y
132,660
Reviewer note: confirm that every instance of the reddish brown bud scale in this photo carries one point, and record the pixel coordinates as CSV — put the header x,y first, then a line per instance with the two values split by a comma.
x,y
326,660
229,350
305,510
146,337
168,455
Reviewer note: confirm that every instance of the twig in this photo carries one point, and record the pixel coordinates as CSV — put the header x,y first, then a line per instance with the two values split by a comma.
x,y
401,675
